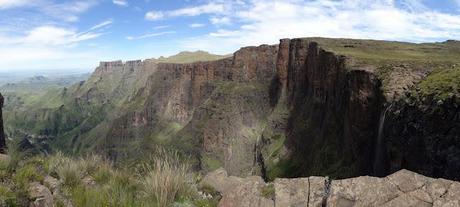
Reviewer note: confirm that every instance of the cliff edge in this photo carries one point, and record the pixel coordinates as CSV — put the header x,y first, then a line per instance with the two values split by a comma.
x,y
403,188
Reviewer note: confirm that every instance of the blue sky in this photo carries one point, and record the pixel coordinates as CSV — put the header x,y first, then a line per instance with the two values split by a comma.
x,y
77,34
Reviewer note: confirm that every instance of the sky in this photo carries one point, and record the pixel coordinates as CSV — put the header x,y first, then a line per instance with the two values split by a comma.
x,y
77,34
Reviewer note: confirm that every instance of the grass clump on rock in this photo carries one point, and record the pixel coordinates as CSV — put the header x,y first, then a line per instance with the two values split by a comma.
x,y
442,84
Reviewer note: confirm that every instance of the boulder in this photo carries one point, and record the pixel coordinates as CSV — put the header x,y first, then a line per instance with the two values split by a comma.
x,y
248,194
52,183
238,191
220,181
40,195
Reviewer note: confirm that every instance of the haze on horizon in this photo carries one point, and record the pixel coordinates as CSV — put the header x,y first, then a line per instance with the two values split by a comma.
x,y
38,35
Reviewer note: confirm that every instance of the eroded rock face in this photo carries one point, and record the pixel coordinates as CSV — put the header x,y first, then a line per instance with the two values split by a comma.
x,y
403,188
212,110
424,136
290,110
334,113
2,133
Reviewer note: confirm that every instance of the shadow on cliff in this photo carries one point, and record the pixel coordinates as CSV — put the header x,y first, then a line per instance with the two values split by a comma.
x,y
334,116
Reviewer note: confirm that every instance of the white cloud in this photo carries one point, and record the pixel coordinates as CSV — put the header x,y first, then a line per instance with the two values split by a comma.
x,y
48,45
7,4
154,15
44,35
267,21
161,27
67,11
102,24
210,8
120,2
220,20
149,35
196,25
49,36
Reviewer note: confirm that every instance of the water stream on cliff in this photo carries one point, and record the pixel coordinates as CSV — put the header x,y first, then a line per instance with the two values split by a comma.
x,y
379,155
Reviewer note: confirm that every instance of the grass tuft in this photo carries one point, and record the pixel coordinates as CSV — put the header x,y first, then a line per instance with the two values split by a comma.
x,y
167,178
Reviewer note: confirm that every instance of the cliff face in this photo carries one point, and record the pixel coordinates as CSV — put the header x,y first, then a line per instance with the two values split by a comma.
x,y
2,133
212,110
290,110
424,136
333,112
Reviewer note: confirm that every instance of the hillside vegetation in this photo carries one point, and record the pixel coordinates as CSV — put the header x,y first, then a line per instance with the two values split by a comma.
x,y
164,179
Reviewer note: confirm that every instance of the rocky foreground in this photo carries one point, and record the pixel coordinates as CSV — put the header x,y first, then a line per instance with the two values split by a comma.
x,y
403,188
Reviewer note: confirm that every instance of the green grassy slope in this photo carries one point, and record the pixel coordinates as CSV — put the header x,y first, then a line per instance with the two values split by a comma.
x,y
189,57
74,116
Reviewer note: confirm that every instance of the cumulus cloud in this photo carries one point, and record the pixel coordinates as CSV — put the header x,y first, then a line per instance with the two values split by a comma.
x,y
266,21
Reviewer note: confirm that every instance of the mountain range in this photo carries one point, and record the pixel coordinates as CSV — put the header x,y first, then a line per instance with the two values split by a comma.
x,y
307,106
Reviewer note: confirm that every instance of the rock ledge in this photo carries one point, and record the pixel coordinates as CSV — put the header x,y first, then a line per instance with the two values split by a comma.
x,y
403,188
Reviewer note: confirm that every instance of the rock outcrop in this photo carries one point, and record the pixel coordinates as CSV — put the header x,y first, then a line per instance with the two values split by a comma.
x,y
211,110
423,135
333,111
40,196
2,133
403,188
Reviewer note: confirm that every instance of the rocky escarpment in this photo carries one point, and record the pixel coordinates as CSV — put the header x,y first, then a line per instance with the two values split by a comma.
x,y
2,133
297,109
210,110
403,188
423,135
332,109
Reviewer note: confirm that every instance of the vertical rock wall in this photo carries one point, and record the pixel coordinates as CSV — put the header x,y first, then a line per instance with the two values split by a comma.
x,y
423,135
334,113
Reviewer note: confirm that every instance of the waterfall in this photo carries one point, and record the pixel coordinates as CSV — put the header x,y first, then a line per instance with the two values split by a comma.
x,y
379,156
